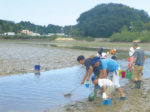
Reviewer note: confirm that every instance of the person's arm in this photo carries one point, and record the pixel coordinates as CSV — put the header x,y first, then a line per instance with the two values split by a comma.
x,y
103,74
144,58
104,89
85,76
90,71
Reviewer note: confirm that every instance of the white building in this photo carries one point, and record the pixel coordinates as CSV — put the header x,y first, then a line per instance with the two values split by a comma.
x,y
58,34
35,34
9,33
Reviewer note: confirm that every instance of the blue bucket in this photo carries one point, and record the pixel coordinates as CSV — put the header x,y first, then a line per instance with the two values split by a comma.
x,y
37,67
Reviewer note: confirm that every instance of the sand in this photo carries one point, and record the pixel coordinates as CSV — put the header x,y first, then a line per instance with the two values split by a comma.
x,y
21,58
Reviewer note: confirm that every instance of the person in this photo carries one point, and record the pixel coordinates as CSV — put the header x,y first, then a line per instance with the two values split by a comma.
x,y
106,85
100,52
89,70
114,58
138,65
109,69
130,59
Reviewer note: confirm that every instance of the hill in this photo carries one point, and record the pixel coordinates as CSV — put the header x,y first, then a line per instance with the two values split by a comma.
x,y
106,19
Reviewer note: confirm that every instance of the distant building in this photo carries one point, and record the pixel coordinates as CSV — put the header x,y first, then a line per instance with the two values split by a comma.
x,y
58,34
27,32
9,33
35,34
50,34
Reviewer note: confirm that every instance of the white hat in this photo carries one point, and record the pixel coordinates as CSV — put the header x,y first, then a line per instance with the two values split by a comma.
x,y
131,51
104,55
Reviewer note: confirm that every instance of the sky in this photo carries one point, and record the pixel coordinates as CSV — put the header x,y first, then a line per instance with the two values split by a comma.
x,y
57,12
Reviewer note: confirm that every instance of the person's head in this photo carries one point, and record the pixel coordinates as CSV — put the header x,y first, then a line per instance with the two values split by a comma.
x,y
81,59
96,61
94,80
114,57
135,45
113,51
100,50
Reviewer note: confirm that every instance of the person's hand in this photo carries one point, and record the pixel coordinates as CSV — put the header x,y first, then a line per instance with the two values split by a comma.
x,y
82,82
104,96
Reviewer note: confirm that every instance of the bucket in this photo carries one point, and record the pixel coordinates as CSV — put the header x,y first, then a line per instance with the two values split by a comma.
x,y
123,74
87,84
37,67
128,75
91,96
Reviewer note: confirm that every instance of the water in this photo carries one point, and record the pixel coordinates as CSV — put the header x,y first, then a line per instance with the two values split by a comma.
x,y
36,93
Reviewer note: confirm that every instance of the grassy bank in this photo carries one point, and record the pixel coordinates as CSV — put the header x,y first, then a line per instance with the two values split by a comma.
x,y
25,37
127,36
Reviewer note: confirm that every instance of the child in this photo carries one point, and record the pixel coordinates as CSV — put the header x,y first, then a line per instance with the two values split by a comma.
x,y
107,87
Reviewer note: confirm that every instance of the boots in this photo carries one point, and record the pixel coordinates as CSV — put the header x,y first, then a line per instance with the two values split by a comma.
x,y
135,85
138,84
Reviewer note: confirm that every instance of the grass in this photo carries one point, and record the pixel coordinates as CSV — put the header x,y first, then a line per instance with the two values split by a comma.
x,y
127,36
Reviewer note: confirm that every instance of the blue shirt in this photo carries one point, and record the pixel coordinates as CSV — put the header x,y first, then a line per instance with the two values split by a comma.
x,y
109,64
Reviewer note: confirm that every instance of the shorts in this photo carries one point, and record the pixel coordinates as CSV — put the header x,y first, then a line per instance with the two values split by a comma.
x,y
114,77
137,73
109,90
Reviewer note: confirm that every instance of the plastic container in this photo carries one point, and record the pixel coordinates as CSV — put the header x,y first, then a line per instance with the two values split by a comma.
x,y
87,84
91,96
37,67
120,72
123,74
104,102
128,75
109,102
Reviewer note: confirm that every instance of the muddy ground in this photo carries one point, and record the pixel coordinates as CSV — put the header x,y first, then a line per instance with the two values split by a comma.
x,y
21,58
138,100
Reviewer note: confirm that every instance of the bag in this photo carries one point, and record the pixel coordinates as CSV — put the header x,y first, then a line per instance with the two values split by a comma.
x,y
123,74
128,75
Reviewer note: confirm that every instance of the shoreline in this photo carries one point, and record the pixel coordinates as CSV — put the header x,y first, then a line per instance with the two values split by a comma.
x,y
137,101
19,57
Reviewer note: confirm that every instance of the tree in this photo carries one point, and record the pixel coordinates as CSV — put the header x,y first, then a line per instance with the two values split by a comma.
x,y
106,19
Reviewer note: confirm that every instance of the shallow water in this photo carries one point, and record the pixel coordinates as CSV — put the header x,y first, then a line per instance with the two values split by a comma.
x,y
36,93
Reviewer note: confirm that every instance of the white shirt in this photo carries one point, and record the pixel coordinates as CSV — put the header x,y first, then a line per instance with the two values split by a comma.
x,y
105,82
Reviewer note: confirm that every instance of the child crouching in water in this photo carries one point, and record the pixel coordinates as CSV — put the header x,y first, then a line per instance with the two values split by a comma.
x,y
107,87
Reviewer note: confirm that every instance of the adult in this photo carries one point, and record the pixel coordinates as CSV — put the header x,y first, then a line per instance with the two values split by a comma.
x,y
89,70
109,69
138,65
